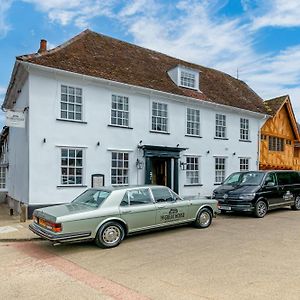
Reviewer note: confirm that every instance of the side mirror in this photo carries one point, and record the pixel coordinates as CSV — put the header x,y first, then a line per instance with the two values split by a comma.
x,y
270,183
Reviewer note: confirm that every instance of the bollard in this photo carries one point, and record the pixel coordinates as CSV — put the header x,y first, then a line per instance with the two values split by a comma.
x,y
22,212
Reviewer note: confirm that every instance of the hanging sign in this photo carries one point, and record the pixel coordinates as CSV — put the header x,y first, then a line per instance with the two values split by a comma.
x,y
15,119
97,180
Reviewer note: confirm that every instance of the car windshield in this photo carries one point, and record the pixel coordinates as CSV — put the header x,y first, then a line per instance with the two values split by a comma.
x,y
93,198
242,178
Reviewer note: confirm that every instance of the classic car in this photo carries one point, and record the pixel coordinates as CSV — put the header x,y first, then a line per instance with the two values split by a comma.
x,y
108,215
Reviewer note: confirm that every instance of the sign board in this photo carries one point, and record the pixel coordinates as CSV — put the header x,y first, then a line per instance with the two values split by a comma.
x,y
97,180
15,119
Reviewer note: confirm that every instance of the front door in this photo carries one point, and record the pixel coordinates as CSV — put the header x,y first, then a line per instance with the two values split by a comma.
x,y
160,171
169,209
270,190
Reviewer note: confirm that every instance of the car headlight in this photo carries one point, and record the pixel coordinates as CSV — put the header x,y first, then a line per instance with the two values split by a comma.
x,y
250,196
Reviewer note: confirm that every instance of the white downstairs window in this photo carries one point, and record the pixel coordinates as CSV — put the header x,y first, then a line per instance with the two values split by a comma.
x,y
71,166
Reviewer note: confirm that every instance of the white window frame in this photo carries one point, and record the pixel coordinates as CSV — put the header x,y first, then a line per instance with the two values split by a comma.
x,y
244,161
69,103
220,123
218,171
193,122
275,143
244,129
161,117
120,179
68,166
3,178
186,78
193,170
121,111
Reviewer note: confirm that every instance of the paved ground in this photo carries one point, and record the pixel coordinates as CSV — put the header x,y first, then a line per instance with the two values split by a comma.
x,y
11,228
238,257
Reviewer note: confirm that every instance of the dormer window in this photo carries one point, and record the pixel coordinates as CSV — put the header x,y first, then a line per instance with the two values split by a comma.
x,y
185,77
188,79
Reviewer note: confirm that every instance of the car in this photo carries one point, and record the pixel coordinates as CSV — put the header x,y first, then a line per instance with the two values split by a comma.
x,y
107,215
259,191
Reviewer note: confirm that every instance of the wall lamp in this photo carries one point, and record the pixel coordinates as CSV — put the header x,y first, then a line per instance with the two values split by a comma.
x,y
44,140
139,164
98,144
207,152
233,153
183,165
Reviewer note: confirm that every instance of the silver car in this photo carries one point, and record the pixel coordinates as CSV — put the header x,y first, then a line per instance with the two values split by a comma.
x,y
108,215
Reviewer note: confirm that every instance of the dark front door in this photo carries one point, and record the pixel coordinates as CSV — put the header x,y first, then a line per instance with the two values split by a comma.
x,y
160,171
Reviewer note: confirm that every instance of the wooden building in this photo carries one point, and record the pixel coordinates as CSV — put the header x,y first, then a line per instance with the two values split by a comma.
x,y
280,139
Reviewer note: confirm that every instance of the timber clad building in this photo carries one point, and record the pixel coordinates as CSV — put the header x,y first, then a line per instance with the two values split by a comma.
x,y
280,137
99,108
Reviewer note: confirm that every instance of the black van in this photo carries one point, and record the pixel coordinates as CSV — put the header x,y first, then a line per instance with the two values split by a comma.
x,y
259,191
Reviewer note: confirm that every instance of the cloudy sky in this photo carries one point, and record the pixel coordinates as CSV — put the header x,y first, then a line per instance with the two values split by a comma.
x,y
259,38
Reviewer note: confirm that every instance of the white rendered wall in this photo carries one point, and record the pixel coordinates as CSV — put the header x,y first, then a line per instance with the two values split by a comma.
x,y
18,145
45,157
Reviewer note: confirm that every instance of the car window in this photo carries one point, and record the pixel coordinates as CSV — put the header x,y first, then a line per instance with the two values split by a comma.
x,y
92,197
162,194
137,197
284,178
295,177
270,178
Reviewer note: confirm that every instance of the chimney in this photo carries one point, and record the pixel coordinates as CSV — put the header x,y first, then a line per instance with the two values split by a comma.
x,y
43,46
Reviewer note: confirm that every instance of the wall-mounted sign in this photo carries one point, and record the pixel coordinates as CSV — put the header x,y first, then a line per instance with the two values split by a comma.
x,y
97,180
15,119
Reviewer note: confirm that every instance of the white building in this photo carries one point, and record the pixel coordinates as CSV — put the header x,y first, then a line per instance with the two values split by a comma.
x,y
99,106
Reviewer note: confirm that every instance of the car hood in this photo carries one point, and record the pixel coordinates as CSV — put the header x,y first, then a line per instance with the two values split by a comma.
x,y
235,190
51,213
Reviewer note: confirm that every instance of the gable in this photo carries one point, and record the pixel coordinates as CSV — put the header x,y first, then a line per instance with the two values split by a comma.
x,y
281,125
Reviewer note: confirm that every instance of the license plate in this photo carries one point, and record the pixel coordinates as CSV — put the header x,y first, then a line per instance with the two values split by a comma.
x,y
225,207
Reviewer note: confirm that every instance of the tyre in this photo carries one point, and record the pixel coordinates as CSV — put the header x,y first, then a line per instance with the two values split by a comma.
x,y
260,209
110,235
204,218
296,205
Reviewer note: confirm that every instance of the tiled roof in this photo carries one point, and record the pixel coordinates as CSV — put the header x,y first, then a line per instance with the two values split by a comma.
x,y
97,55
273,105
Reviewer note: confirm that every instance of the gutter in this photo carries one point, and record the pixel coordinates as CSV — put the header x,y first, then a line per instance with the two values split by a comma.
x,y
142,89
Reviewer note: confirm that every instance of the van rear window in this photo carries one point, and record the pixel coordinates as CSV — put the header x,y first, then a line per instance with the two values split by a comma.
x,y
288,178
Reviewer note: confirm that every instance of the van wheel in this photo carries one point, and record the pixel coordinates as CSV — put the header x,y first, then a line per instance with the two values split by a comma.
x,y
296,205
203,219
260,209
109,235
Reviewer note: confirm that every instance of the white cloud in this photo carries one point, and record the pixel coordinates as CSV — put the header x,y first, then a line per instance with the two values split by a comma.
x,y
276,13
78,12
4,8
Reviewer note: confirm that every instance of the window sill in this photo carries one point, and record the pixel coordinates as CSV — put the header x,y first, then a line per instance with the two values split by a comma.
x,y
71,121
245,141
220,138
119,126
194,136
161,132
198,184
71,186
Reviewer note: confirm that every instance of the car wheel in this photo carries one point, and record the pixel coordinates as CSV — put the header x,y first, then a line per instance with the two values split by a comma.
x,y
260,209
204,218
296,205
109,235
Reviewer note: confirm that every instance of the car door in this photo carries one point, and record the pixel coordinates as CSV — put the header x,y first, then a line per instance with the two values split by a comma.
x,y
270,190
286,188
138,209
171,209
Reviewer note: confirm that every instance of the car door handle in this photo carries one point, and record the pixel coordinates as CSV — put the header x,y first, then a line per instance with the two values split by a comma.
x,y
161,206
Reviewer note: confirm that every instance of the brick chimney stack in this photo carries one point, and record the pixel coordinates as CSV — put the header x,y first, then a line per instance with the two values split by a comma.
x,y
43,46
